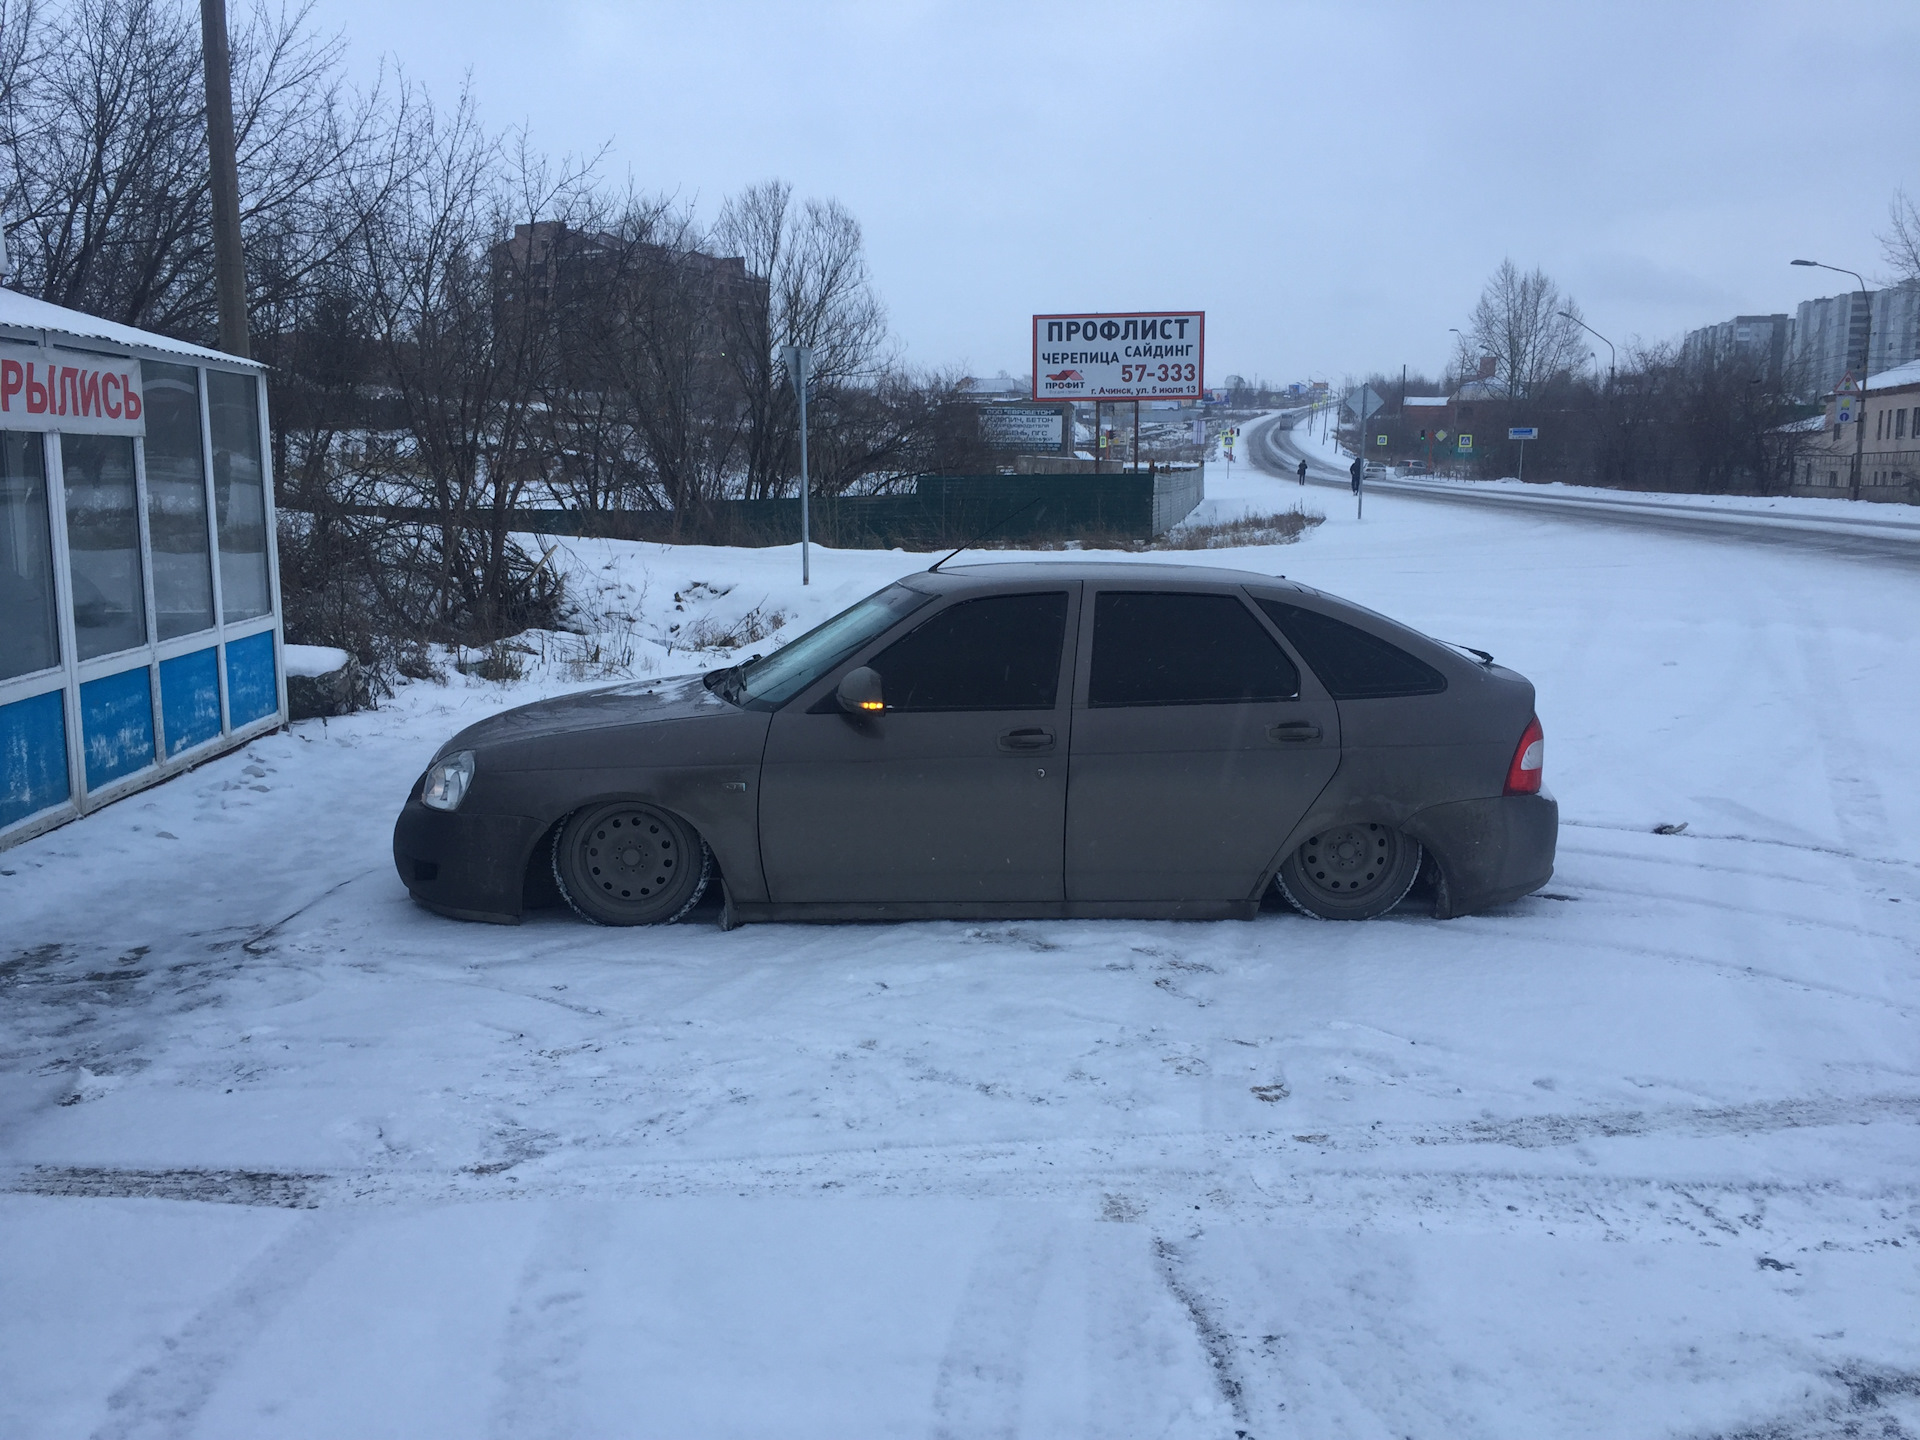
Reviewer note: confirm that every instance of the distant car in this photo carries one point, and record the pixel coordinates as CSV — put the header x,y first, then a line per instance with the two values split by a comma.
x,y
1018,740
1414,467
1375,467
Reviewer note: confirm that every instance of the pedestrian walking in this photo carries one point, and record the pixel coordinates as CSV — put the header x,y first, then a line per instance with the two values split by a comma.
x,y
1303,472
1358,469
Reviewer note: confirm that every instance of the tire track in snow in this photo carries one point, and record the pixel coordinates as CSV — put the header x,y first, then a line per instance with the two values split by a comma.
x,y
977,1393
164,1398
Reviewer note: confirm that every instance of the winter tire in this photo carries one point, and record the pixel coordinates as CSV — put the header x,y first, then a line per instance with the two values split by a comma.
x,y
629,864
1350,872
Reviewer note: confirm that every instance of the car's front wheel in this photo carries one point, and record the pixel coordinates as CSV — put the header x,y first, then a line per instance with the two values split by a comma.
x,y
1350,872
629,864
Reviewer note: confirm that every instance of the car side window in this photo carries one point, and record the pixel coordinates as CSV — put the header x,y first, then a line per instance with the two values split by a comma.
x,y
1352,664
1000,652
1169,648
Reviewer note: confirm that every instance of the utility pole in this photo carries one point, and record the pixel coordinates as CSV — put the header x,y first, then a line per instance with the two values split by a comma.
x,y
229,260
1866,369
798,358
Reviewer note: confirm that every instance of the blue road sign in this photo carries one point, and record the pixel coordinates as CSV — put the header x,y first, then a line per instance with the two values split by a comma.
x,y
1523,432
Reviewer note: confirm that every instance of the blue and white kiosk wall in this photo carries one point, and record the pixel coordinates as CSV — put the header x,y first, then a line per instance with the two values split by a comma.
x,y
139,588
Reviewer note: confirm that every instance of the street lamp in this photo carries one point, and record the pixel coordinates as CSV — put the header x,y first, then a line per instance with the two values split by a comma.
x,y
1569,315
1866,364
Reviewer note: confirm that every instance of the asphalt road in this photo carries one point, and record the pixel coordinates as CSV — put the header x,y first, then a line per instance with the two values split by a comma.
x,y
1881,538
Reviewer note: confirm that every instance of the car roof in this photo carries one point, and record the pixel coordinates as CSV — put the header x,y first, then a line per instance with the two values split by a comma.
x,y
1101,571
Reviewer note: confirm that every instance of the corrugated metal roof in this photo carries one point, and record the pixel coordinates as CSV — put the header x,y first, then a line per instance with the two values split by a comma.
x,y
26,313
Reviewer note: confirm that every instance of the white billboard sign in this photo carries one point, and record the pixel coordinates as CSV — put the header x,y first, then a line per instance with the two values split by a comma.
x,y
47,389
1138,355
1007,427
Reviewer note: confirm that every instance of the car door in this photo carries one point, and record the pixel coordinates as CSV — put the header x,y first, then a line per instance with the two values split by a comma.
x,y
1198,742
956,791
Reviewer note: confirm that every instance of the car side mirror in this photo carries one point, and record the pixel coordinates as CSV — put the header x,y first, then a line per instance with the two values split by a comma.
x,y
859,691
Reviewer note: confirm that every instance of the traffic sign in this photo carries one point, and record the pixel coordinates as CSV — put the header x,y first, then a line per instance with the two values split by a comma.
x,y
1466,442
1364,402
1439,434
1379,439
1523,432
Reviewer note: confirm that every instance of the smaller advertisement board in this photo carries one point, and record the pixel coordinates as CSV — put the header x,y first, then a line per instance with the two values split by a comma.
x,y
1033,429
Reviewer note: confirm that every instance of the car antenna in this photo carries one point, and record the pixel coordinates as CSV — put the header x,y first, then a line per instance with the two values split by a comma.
x,y
986,532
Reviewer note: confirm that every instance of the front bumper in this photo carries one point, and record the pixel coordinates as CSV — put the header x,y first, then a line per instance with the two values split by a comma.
x,y
1488,852
471,866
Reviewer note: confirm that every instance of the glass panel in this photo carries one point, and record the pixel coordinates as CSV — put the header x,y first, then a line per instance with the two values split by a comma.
x,y
1179,649
239,494
29,629
997,653
1352,664
768,684
176,500
103,541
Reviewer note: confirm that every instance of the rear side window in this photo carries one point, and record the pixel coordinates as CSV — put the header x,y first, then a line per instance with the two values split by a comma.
x,y
1352,664
1001,652
1175,649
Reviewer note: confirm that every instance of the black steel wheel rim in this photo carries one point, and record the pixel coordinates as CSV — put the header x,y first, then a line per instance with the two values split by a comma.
x,y
628,856
1349,862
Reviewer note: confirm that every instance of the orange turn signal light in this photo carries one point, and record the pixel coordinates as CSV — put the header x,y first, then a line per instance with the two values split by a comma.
x,y
872,705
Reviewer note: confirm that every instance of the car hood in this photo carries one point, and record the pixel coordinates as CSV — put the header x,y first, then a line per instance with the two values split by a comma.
x,y
678,697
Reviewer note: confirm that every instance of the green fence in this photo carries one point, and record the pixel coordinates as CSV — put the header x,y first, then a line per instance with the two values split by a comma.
x,y
942,510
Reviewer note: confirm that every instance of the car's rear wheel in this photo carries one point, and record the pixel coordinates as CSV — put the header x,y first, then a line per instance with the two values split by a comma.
x,y
629,864
1350,872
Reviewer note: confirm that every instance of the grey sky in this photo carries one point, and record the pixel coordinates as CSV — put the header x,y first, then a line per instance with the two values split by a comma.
x,y
1331,183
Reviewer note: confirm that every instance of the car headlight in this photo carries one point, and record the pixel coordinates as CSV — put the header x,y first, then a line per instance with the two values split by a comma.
x,y
447,780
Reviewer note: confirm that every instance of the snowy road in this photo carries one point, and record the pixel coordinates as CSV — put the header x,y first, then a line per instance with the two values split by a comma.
x,y
1884,534
285,1156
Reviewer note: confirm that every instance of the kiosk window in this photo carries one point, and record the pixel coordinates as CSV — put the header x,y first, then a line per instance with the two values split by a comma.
x,y
29,628
239,493
103,544
176,500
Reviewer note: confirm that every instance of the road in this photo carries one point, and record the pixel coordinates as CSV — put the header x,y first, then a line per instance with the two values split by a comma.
x,y
1882,538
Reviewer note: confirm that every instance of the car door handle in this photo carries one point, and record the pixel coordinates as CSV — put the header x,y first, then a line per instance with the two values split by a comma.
x,y
1026,741
1294,730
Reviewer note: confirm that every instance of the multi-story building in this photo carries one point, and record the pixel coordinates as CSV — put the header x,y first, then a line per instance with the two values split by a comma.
x,y
1832,337
1758,343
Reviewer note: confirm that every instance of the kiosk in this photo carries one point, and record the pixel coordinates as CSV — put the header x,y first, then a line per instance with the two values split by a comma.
x,y
139,586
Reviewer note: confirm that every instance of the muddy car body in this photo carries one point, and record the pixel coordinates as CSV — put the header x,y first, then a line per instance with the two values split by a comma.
x,y
1012,740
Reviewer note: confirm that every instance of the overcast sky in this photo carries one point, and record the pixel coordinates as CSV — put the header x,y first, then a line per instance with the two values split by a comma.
x,y
1332,183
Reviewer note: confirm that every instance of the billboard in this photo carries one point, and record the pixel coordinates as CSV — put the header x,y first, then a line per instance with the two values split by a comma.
x,y
1133,355
1030,428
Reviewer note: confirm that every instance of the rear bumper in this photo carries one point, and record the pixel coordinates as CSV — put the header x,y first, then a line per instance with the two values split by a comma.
x,y
1488,852
471,867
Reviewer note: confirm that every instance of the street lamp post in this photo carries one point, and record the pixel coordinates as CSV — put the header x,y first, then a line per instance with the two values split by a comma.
x,y
1866,366
1611,357
798,358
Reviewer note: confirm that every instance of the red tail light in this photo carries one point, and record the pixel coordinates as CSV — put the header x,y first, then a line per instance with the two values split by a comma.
x,y
1523,775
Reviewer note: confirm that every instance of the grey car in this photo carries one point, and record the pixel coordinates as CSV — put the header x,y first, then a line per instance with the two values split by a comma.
x,y
1011,740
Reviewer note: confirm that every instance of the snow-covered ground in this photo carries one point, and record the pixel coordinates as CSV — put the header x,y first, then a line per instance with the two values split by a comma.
x,y
286,1156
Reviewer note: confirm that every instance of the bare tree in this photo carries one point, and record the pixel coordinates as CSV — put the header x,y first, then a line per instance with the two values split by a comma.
x,y
811,288
107,184
1517,320
1900,243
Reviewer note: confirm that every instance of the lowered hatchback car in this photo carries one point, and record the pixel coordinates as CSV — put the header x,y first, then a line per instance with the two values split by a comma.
x,y
1011,740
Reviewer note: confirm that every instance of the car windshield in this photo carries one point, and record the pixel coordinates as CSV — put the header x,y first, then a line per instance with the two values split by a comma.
x,y
768,684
